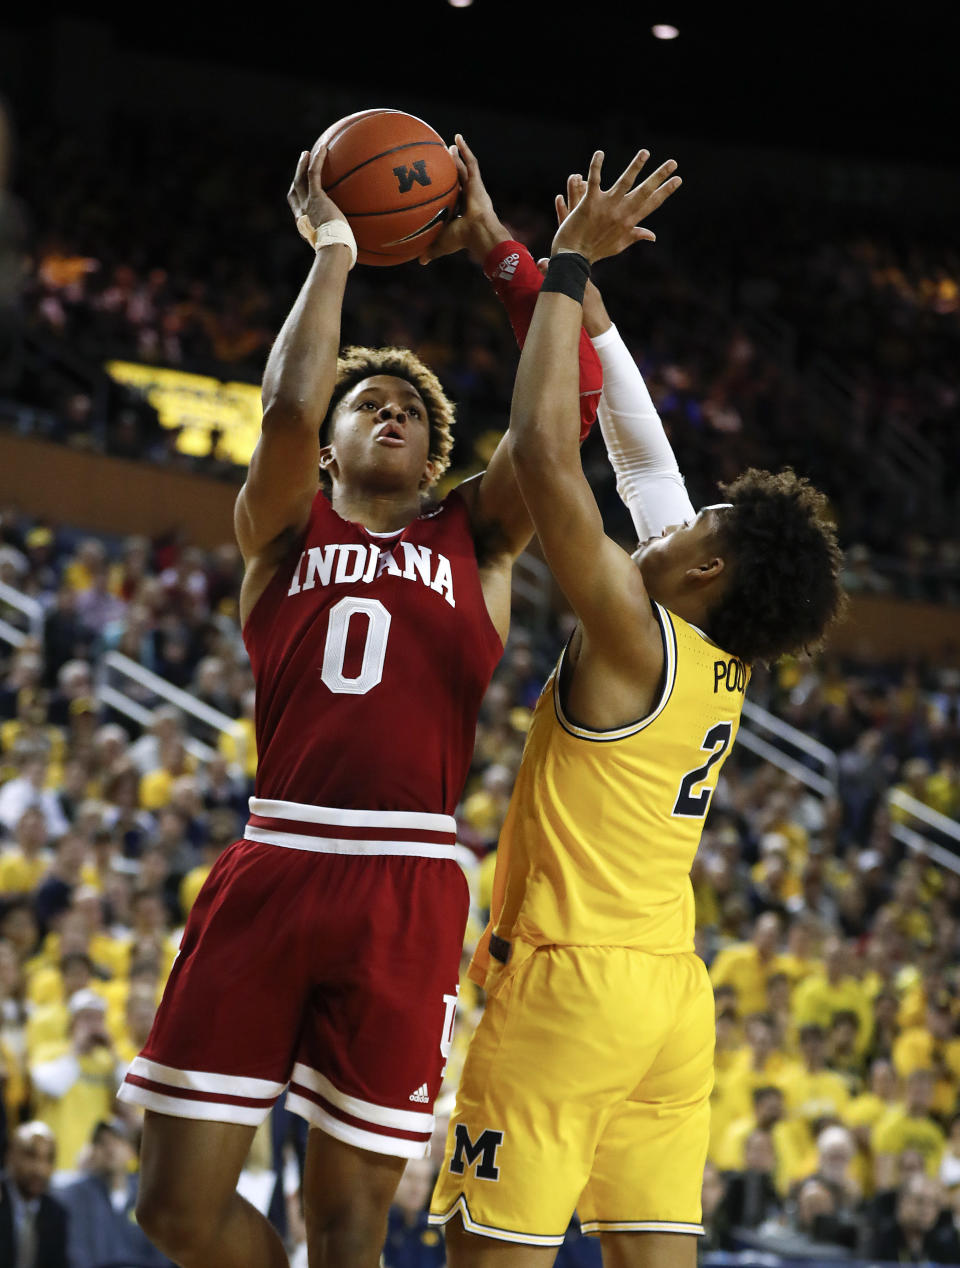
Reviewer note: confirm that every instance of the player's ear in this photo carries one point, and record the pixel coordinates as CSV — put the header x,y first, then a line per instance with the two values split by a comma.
x,y
429,474
706,571
328,459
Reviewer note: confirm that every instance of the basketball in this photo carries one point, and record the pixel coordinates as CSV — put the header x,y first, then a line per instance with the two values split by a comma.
x,y
393,178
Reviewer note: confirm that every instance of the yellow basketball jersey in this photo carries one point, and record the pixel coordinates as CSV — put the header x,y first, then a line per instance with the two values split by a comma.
x,y
603,826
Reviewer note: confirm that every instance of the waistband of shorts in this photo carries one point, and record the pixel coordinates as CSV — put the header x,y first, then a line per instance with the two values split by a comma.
x,y
335,830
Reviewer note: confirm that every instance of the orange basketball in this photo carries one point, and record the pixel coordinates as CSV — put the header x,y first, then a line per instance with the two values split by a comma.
x,y
393,178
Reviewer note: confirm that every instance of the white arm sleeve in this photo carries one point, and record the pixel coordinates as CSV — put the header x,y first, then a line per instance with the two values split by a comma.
x,y
648,478
56,1078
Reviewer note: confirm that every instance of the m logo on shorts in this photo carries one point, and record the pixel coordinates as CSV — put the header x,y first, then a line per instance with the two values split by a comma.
x,y
466,1152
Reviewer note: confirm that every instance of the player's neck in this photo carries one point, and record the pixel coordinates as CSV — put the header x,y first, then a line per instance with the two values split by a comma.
x,y
381,512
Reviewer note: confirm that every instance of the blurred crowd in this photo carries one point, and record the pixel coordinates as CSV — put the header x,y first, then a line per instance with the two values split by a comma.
x,y
858,387
831,947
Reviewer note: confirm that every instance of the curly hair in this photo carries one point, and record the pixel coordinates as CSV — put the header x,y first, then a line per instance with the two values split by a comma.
x,y
785,588
356,364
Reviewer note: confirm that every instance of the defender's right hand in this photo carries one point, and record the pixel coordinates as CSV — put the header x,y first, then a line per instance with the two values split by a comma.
x,y
306,195
605,221
596,319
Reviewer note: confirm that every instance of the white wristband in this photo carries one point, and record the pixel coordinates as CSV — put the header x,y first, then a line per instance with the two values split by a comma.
x,y
329,232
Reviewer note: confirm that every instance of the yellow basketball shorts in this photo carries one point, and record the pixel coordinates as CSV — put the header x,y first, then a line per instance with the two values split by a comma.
x,y
586,1086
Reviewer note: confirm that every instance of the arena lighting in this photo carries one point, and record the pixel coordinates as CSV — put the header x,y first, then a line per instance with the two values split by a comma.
x,y
459,4
662,31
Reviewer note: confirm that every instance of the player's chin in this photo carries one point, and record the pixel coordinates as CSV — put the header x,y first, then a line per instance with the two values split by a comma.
x,y
395,468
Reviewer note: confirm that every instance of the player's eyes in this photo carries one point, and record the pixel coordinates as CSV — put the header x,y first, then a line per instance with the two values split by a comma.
x,y
414,412
368,405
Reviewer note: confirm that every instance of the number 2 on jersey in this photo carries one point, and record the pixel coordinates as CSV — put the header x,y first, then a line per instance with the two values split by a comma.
x,y
374,647
690,805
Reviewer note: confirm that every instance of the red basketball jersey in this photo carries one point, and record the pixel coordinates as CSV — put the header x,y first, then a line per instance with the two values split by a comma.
x,y
371,655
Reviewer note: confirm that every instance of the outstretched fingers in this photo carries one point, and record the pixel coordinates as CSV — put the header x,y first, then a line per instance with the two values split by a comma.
x,y
656,189
593,175
630,173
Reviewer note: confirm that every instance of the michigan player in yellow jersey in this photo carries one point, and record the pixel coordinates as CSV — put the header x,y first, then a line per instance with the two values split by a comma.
x,y
587,1082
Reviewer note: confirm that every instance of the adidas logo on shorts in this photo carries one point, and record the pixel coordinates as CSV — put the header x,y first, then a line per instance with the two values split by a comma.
x,y
508,266
421,1095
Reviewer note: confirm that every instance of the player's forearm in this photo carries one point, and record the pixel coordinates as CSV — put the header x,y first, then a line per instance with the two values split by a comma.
x,y
301,369
544,418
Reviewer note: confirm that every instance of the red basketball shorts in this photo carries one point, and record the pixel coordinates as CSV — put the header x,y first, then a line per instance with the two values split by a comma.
x,y
323,952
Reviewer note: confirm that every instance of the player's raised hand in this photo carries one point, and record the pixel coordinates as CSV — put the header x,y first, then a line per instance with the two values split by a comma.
x,y
605,222
477,228
596,319
310,204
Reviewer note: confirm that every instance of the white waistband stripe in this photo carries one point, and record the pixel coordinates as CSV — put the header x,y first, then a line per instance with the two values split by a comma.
x,y
338,817
336,845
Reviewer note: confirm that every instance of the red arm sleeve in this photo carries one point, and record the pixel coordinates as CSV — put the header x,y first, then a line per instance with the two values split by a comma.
x,y
517,281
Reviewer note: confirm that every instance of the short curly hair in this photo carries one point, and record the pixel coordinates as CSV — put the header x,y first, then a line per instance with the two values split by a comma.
x,y
785,588
356,364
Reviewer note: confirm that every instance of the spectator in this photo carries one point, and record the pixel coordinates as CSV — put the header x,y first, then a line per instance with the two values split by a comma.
x,y
23,866
29,789
815,1217
750,1197
102,1227
833,990
843,1058
747,965
813,1092
933,1046
33,1225
76,1078
950,1162
918,1233
835,1156
909,1126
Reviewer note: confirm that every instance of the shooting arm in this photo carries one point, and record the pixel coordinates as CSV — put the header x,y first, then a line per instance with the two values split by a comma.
x,y
298,382
297,385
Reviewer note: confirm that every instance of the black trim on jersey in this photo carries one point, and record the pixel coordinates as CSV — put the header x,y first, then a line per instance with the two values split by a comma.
x,y
668,678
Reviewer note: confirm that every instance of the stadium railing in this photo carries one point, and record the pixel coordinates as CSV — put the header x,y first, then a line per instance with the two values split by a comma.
x,y
31,609
789,749
926,823
154,687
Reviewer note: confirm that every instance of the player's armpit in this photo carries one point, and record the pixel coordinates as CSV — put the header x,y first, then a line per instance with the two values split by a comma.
x,y
501,522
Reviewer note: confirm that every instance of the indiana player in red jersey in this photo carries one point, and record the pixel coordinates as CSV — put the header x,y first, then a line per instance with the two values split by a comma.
x,y
323,951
